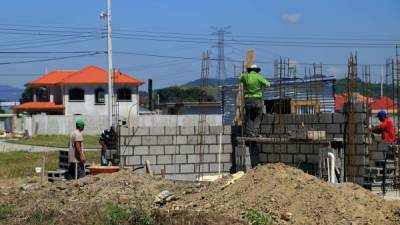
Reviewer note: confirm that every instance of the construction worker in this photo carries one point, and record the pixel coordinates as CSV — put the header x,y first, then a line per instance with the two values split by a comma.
x,y
76,155
253,82
386,128
108,140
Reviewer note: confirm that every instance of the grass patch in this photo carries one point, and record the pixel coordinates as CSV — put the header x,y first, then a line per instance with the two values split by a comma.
x,y
259,218
114,214
59,141
6,212
22,164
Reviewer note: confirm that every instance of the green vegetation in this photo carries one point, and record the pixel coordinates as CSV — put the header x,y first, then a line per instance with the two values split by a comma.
x,y
22,164
361,87
59,141
259,218
114,214
178,94
6,212
40,217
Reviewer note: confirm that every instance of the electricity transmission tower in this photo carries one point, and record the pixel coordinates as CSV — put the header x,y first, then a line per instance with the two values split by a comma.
x,y
221,68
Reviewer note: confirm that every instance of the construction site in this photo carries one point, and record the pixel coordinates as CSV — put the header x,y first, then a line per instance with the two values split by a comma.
x,y
312,155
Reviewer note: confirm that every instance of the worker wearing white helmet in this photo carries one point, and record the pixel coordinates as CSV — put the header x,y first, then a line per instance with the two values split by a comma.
x,y
253,82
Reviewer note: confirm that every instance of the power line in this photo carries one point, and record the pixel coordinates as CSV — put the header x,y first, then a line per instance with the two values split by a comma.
x,y
50,59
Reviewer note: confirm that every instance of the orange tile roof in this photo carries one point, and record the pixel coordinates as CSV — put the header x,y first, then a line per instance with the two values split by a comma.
x,y
51,78
38,106
88,75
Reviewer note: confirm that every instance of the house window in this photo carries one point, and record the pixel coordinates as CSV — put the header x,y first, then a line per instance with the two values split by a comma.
x,y
76,94
124,94
99,96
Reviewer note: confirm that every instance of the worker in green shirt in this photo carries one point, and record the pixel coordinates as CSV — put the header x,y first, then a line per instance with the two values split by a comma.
x,y
253,82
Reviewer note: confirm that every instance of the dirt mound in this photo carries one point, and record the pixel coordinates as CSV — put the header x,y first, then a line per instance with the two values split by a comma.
x,y
292,196
284,190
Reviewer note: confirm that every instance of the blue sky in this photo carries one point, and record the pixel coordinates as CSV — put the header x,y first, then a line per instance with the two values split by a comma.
x,y
252,22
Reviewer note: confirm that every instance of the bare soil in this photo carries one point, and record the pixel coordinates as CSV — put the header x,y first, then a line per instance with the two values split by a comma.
x,y
292,196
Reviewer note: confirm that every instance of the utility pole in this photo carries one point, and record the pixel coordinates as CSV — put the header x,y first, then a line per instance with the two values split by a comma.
x,y
110,64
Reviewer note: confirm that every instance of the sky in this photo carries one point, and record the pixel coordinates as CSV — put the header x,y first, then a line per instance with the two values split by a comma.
x,y
164,39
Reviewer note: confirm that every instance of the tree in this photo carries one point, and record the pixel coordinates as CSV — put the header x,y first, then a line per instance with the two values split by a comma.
x,y
177,94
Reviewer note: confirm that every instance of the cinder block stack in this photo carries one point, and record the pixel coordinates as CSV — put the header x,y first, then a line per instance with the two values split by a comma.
x,y
177,150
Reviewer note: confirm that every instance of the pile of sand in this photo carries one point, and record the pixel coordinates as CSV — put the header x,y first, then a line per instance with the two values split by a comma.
x,y
274,188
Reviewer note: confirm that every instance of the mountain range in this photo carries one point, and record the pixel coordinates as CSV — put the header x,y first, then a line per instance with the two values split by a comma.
x,y
9,93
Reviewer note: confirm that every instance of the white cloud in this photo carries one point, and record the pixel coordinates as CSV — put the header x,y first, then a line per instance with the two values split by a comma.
x,y
336,71
292,18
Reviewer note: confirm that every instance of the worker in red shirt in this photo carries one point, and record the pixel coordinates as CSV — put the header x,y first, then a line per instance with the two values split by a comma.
x,y
386,128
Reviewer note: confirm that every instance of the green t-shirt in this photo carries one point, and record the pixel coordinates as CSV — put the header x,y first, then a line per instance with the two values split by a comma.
x,y
253,83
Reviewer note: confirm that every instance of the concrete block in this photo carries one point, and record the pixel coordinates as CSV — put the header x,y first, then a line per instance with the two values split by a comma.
x,y
307,148
133,140
267,148
293,148
278,129
334,129
187,168
141,131
164,140
151,158
227,167
263,157
186,149
157,131
361,149
228,130
325,118
266,129
312,158
201,130
225,139
164,159
377,156
156,150
273,157
286,158
133,160
141,150
209,158
320,126
124,131
210,139
359,160
338,118
297,158
149,140
171,169
171,149
192,140
126,150
171,130
182,177
361,128
179,159
214,167
187,130
268,119
193,158
280,148
226,158
216,130
157,169
180,140
202,168
228,148
214,149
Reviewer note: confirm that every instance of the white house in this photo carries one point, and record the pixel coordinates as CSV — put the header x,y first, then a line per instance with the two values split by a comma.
x,y
83,92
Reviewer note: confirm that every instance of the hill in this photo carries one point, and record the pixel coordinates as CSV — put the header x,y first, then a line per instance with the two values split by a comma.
x,y
9,93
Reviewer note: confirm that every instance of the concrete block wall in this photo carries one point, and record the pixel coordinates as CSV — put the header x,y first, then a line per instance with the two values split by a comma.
x,y
306,155
177,150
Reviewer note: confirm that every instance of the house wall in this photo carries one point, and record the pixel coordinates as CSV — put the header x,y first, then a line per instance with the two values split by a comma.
x,y
89,107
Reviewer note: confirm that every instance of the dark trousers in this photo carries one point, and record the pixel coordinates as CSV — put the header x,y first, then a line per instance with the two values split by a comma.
x,y
253,116
75,168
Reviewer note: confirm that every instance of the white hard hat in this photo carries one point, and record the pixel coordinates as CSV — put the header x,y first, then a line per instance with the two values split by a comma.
x,y
254,66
